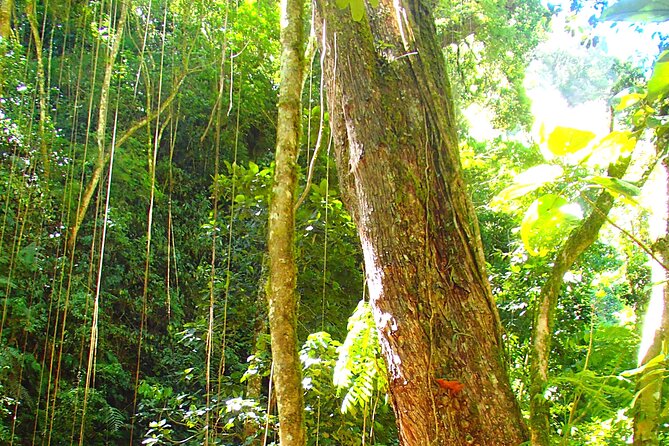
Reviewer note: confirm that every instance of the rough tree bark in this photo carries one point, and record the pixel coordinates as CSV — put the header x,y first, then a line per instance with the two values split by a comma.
x,y
578,241
6,7
397,158
281,295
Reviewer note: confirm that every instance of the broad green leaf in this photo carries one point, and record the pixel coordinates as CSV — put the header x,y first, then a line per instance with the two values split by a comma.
x,y
610,148
617,186
357,9
544,223
653,362
638,11
525,182
658,84
565,140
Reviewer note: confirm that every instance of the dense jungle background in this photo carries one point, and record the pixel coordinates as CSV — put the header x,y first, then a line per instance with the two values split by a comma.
x,y
136,160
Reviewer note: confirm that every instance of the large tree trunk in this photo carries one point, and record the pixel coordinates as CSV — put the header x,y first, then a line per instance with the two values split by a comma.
x,y
397,157
281,295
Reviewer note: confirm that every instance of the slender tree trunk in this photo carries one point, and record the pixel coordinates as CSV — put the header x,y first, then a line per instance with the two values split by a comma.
x,y
282,273
101,128
37,38
100,164
397,156
578,241
648,407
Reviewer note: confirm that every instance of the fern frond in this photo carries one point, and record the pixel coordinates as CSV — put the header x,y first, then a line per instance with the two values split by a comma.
x,y
114,419
359,369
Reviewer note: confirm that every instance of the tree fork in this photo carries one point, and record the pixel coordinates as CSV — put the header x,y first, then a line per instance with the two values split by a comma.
x,y
578,241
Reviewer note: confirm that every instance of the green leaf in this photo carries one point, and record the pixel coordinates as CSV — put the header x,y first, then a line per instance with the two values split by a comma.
x,y
658,84
626,99
565,140
341,4
525,182
638,11
359,369
610,148
652,363
357,9
617,186
544,223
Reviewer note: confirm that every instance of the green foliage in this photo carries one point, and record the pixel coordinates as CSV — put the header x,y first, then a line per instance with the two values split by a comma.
x,y
658,84
546,221
487,45
549,219
360,372
357,7
638,11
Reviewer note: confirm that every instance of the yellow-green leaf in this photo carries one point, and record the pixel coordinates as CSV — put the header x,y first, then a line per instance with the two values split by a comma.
x,y
545,222
565,140
638,11
357,9
625,100
653,362
658,84
610,148
617,186
525,182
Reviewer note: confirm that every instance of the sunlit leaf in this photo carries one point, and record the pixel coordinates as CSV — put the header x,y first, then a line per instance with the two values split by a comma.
x,y
545,222
359,371
525,182
610,148
617,186
626,99
638,11
357,7
565,140
658,84
652,363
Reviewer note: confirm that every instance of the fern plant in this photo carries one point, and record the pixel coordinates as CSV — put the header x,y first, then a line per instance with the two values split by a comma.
x,y
360,371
